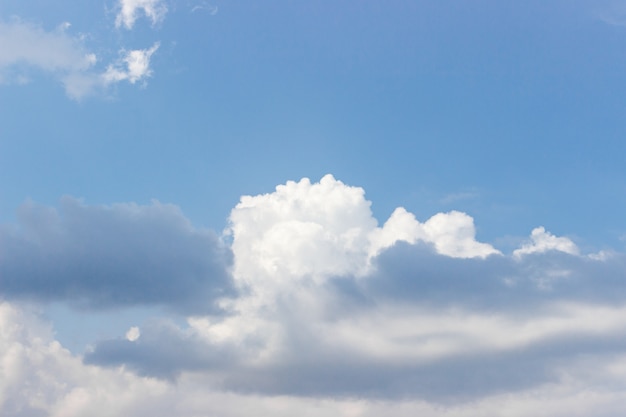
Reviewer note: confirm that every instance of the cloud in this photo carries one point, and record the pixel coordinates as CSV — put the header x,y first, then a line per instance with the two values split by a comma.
x,y
28,49
542,241
325,229
334,305
132,67
334,313
40,378
98,257
129,11
205,6
460,196
144,352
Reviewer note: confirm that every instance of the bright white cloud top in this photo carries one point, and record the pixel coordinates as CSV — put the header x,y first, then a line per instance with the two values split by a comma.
x,y
332,313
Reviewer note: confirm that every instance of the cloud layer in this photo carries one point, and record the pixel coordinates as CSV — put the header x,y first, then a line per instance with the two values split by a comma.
x,y
331,308
99,257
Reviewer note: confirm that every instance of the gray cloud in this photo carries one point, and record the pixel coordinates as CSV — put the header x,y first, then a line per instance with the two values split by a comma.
x,y
416,273
520,295
163,350
98,257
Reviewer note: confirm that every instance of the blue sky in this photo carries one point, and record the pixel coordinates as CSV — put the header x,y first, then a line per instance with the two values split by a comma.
x,y
131,129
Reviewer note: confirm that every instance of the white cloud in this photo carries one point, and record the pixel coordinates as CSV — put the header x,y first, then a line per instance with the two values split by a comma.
x,y
38,377
24,43
132,67
542,241
129,12
301,230
133,334
28,49
327,229
452,234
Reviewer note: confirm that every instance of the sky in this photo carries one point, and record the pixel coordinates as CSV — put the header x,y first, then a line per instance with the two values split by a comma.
x,y
314,208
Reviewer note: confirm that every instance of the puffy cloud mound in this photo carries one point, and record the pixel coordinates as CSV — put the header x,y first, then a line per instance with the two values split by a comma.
x,y
542,241
97,257
316,231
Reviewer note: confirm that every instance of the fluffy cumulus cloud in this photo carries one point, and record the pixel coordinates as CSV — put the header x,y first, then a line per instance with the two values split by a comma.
x,y
542,241
333,314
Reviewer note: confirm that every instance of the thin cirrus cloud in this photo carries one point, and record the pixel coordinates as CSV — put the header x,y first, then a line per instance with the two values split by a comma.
x,y
328,308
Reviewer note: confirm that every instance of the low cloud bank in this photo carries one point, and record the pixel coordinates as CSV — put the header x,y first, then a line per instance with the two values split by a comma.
x,y
317,301
100,257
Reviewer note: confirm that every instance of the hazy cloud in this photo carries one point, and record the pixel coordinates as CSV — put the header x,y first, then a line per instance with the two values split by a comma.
x,y
28,49
110,256
206,7
130,10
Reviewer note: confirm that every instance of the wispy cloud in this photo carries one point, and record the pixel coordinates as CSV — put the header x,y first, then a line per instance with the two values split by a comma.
x,y
460,196
130,11
133,66
206,7
26,47
29,49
